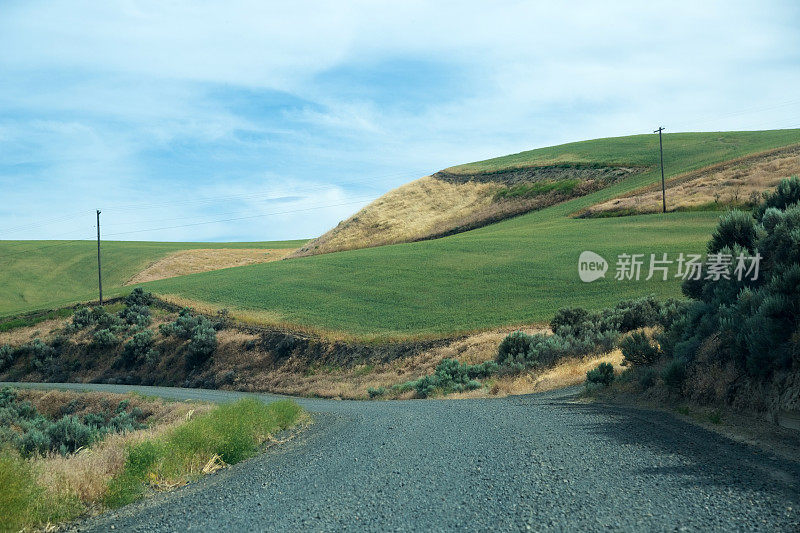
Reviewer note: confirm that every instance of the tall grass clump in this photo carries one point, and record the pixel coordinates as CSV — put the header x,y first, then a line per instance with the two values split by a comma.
x,y
19,491
230,433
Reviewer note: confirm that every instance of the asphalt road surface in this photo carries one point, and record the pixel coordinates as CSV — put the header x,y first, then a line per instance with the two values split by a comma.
x,y
539,462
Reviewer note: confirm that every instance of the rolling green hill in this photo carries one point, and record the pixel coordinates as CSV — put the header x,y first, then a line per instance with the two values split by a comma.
x,y
45,274
516,271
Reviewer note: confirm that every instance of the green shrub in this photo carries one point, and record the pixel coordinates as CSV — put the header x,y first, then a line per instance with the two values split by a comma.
x,y
638,350
647,377
136,315
34,442
786,194
139,347
139,297
755,320
568,316
674,374
201,346
103,339
514,347
184,325
603,374
68,434
735,227
7,356
376,392
82,318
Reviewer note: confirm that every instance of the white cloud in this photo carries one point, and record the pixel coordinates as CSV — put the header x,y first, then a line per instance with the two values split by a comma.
x,y
91,90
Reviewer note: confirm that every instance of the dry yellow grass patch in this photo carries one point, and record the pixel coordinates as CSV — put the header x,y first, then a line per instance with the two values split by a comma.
x,y
256,372
86,473
21,335
186,262
736,183
411,212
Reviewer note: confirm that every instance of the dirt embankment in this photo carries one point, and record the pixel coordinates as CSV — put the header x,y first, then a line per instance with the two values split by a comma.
x,y
448,203
735,183
253,358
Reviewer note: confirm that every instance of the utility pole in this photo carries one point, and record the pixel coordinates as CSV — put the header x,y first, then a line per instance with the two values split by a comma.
x,y
99,275
663,185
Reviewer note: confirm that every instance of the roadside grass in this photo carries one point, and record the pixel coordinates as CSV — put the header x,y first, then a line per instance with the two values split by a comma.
x,y
50,274
227,435
190,438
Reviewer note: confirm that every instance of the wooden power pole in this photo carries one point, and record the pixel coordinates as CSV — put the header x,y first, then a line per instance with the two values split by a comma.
x,y
99,274
663,185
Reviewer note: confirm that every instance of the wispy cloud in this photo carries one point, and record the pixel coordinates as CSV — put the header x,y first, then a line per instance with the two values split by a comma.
x,y
278,120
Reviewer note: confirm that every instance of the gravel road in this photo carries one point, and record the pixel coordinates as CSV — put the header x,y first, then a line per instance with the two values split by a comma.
x,y
539,462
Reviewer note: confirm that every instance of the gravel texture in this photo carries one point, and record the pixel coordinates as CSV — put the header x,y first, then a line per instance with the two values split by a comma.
x,y
542,462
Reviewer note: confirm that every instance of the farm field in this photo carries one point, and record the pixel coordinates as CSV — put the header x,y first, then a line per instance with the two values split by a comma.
x,y
517,271
513,272
45,274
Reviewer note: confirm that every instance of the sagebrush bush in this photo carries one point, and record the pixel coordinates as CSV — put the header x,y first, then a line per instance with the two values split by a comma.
x,y
104,338
638,349
376,392
755,320
139,297
786,194
7,356
602,375
138,347
674,374
82,318
136,315
450,375
68,434
201,346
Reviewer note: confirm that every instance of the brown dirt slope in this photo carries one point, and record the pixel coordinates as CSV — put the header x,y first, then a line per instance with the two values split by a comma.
x,y
735,183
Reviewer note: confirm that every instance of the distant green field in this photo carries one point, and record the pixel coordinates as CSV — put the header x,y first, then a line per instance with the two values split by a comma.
x,y
45,274
517,271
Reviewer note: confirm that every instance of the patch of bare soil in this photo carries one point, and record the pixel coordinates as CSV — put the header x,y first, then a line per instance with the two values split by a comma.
x,y
202,260
736,183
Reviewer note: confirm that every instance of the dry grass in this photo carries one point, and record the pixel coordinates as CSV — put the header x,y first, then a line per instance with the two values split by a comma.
x,y
85,474
21,335
733,183
566,373
410,212
186,262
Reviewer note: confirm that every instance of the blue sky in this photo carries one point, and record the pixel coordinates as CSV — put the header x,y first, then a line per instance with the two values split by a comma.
x,y
222,121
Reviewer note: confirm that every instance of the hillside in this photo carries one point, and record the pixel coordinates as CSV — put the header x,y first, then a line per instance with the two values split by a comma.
x,y
517,271
469,196
46,274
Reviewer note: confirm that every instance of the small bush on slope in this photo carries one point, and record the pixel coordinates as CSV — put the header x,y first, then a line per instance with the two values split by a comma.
x,y
602,375
638,350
